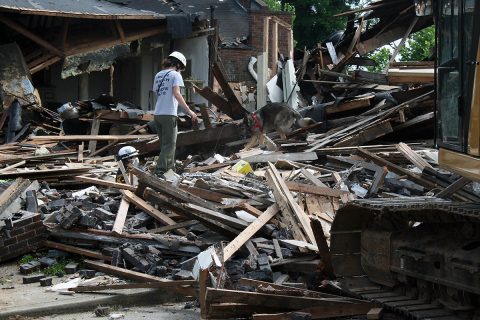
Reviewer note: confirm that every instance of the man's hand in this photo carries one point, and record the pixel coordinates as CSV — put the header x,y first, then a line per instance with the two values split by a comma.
x,y
194,117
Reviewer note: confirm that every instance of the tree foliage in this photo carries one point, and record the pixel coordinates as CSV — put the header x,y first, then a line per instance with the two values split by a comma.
x,y
381,56
419,46
314,19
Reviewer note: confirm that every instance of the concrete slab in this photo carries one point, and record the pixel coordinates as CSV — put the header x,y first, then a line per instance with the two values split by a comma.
x,y
33,300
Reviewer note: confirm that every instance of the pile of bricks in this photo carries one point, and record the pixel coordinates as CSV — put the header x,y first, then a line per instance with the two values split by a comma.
x,y
20,234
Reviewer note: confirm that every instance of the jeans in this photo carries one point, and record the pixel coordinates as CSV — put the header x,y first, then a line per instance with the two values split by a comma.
x,y
167,132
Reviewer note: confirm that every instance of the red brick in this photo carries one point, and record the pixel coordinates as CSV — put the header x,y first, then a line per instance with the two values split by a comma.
x,y
9,241
17,246
16,231
22,222
26,235
34,226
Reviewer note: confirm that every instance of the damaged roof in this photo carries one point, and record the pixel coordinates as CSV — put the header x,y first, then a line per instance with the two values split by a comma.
x,y
231,15
91,9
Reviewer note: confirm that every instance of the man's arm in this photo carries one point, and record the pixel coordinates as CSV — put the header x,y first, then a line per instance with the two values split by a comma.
x,y
183,104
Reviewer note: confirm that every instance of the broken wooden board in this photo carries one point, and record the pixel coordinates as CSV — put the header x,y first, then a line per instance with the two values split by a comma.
x,y
121,216
273,157
412,156
76,250
121,272
109,184
234,245
92,137
297,211
152,211
322,191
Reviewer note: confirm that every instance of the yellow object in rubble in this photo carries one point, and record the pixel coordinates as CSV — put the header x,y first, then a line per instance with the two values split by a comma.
x,y
242,166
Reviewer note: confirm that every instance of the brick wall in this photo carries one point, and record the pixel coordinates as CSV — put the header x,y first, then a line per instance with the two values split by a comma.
x,y
21,236
235,60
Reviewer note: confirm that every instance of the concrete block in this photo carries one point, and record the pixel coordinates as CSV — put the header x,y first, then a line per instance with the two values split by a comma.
x,y
87,273
33,278
29,267
103,214
45,282
136,260
71,268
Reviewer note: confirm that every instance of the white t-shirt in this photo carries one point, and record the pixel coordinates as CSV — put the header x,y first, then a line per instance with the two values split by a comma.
x,y
166,102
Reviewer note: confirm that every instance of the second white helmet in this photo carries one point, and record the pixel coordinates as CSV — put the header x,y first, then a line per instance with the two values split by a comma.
x,y
180,57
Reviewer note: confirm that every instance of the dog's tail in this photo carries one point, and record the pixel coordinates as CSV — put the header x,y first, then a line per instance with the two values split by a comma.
x,y
304,122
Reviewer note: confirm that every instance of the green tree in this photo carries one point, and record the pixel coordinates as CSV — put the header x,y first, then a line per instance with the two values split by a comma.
x,y
381,56
419,46
314,20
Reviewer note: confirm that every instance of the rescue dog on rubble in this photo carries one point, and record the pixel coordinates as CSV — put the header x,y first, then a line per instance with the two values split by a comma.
x,y
274,117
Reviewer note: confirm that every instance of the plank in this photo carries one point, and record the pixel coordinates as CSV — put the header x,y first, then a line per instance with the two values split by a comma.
x,y
316,207
248,232
202,292
76,250
312,178
272,300
184,287
215,215
274,157
152,211
412,156
105,183
171,227
348,105
282,202
91,137
346,310
395,168
45,173
121,216
92,144
454,187
13,192
165,187
211,167
371,133
323,249
321,191
121,272
297,211
111,144
205,116
238,112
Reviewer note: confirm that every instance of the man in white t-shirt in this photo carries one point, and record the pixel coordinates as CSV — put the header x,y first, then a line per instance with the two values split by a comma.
x,y
167,85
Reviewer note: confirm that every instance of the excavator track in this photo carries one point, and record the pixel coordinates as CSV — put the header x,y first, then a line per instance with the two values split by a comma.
x,y
419,257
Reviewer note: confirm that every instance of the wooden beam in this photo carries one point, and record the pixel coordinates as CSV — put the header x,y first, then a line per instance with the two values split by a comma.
x,y
152,211
92,137
121,33
274,51
348,105
266,24
323,249
111,144
13,192
238,112
183,287
27,33
121,216
76,250
202,292
106,183
92,144
248,232
124,273
297,211
412,156
8,168
214,98
321,191
454,187
175,226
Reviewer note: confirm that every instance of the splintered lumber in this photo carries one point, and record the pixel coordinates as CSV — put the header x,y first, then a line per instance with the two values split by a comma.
x,y
248,232
274,157
371,133
412,156
121,272
214,166
177,207
312,178
395,168
105,183
321,191
155,213
202,292
45,174
454,187
321,207
121,216
346,310
92,137
287,214
8,168
375,314
219,102
348,105
262,300
175,226
184,287
13,192
76,250
322,245
217,216
238,112
205,194
165,187
296,210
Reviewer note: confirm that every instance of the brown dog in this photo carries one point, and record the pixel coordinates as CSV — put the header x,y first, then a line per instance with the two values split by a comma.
x,y
274,117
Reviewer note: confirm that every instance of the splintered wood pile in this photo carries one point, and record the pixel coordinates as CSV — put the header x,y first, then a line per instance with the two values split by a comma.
x,y
245,242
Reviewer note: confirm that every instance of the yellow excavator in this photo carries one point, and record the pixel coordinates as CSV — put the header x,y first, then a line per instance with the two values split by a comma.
x,y
420,257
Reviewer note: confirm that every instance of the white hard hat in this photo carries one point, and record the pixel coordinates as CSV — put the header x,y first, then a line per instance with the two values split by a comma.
x,y
127,152
180,57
